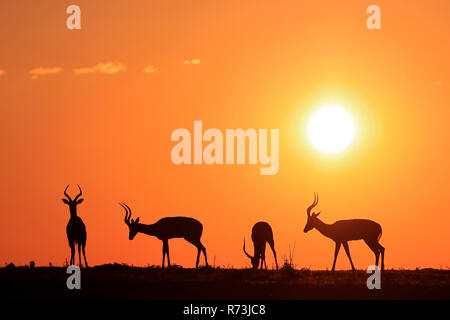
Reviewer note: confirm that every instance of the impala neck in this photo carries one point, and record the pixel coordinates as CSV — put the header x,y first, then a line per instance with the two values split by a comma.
x,y
324,228
73,212
147,229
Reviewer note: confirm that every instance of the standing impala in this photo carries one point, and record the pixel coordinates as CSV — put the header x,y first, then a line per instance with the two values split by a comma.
x,y
346,230
261,233
168,228
76,230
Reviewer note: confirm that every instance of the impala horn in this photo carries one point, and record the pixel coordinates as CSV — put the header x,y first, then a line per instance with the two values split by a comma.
x,y
65,193
127,213
246,251
316,200
81,192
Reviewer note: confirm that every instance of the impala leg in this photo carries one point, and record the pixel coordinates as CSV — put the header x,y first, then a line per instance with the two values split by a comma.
x,y
272,246
373,245
164,253
84,254
200,248
264,256
260,260
167,251
198,256
72,254
79,253
347,251
263,261
377,256
336,251
204,254
382,256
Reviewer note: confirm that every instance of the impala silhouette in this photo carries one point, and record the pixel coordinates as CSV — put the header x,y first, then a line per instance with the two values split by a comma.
x,y
261,233
343,231
76,230
168,228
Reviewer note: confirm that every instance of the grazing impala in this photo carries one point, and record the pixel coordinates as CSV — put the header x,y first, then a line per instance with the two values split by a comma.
x,y
76,230
261,233
346,230
168,228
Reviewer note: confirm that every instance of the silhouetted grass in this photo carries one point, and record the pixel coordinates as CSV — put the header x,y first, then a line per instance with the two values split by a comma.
x,y
120,281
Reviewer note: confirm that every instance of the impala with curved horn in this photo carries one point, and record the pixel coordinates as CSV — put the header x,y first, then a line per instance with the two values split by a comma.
x,y
76,230
261,233
168,228
343,231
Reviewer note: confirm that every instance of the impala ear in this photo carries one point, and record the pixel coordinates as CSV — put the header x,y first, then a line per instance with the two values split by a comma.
x,y
80,201
317,214
137,220
65,201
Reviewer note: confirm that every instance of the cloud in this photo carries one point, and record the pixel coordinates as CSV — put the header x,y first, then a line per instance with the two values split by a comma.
x,y
193,61
37,72
2,72
149,69
104,67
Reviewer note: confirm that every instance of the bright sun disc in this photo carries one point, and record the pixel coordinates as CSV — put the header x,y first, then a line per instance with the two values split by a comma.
x,y
331,129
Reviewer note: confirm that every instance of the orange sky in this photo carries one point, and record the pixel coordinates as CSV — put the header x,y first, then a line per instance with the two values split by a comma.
x,y
264,64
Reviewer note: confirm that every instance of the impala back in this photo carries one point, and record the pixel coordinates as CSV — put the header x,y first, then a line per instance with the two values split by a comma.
x,y
179,227
357,229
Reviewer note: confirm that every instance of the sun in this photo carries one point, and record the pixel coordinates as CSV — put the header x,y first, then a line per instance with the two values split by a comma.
x,y
331,129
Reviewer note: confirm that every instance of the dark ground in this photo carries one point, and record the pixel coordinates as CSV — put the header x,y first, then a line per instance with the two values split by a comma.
x,y
125,282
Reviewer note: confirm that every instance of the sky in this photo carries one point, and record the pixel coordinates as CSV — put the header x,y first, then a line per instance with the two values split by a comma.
x,y
97,106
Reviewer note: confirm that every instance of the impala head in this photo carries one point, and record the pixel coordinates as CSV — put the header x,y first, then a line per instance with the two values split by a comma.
x,y
72,203
132,224
312,216
254,260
